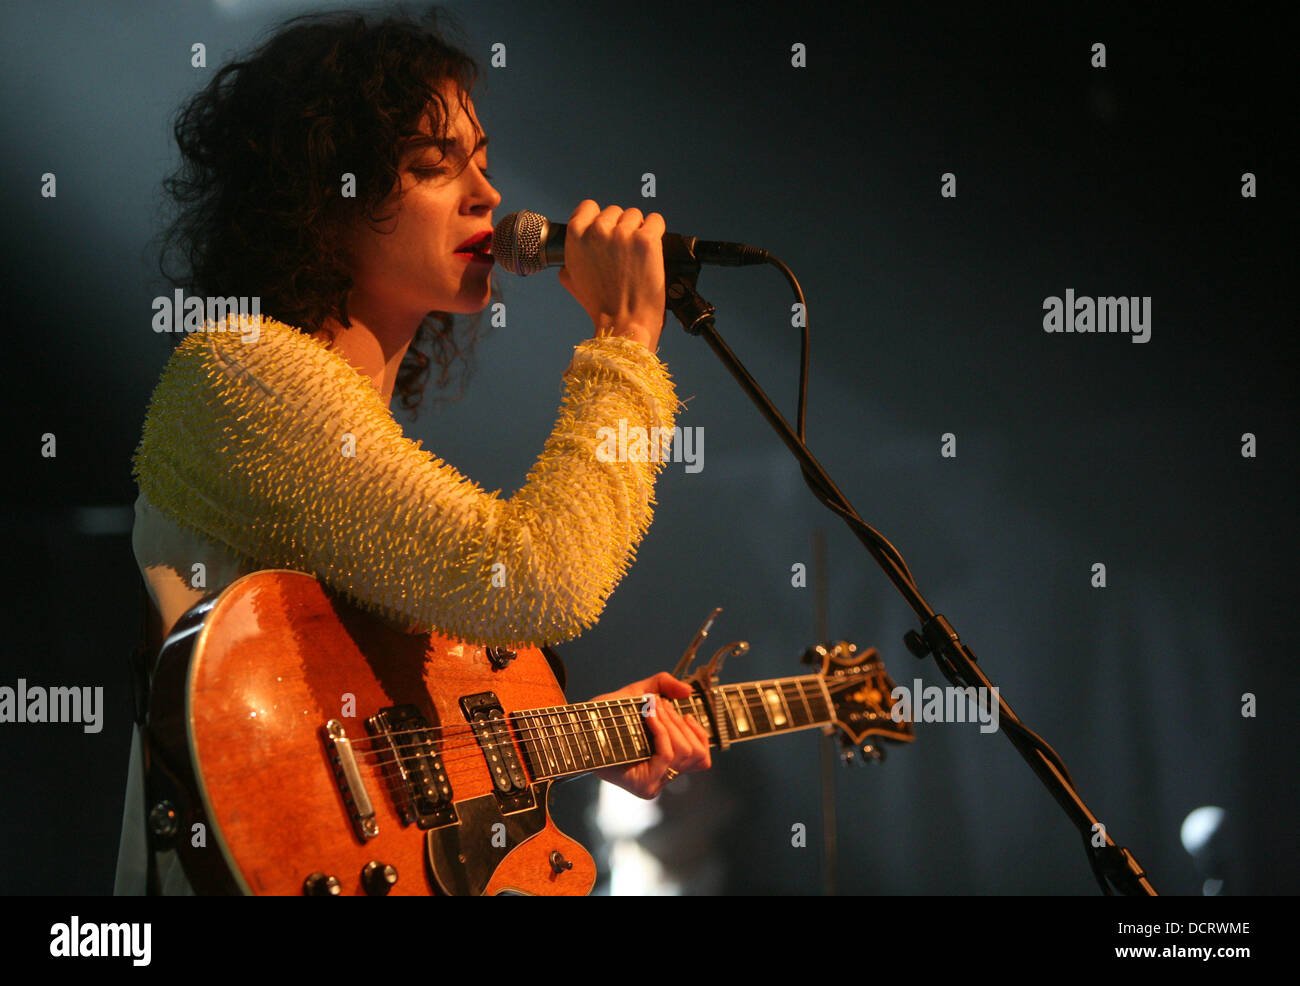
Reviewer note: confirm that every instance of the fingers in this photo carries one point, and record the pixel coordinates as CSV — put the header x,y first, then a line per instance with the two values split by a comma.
x,y
628,222
657,684
680,742
654,227
614,263
613,219
582,216
665,684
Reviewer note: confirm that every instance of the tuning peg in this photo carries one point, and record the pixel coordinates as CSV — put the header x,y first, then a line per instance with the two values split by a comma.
x,y
814,655
874,752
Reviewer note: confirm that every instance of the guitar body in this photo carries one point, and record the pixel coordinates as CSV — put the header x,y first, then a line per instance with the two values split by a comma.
x,y
240,747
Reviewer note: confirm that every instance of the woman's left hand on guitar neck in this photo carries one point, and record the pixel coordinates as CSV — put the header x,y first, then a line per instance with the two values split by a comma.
x,y
680,742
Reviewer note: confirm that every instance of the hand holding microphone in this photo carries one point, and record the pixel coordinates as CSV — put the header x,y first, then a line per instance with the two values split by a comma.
x,y
614,268
619,272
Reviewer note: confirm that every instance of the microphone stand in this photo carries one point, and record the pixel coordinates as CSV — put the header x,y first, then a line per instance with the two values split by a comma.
x,y
1116,869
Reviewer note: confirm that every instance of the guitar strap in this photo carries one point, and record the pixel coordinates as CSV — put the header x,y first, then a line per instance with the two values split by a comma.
x,y
140,673
557,666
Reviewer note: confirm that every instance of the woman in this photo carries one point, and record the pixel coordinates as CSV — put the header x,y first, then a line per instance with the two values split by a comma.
x,y
338,175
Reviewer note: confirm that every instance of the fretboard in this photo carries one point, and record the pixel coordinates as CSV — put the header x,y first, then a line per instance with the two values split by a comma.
x,y
574,739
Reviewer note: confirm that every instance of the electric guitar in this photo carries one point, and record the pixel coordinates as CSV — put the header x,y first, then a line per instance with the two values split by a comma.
x,y
297,745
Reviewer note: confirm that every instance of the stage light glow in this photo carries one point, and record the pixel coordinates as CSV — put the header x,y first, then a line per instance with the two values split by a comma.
x,y
1199,827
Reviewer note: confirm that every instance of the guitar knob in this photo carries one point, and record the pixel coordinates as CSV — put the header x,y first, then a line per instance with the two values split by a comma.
x,y
500,657
163,821
558,863
378,878
320,885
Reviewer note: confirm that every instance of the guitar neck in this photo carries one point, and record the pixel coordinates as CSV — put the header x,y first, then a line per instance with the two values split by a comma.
x,y
574,739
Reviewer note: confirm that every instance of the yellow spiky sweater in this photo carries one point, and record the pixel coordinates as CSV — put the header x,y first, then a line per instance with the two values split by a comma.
x,y
281,450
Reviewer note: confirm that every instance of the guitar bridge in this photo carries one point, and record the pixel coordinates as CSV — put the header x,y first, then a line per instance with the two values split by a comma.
x,y
414,767
349,780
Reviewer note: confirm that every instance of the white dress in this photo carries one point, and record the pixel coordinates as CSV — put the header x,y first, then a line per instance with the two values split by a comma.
x,y
167,555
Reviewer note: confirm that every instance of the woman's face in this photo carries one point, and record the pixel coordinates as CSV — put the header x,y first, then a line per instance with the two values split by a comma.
x,y
418,264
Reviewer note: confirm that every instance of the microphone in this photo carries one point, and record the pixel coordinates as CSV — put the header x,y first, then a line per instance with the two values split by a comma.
x,y
525,242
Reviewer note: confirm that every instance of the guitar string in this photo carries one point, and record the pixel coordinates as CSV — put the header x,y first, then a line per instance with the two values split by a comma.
x,y
542,734
539,732
540,767
630,704
608,714
609,719
472,749
381,754
566,762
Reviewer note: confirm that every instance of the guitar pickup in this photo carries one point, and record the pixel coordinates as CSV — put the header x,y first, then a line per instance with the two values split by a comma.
x,y
416,774
509,782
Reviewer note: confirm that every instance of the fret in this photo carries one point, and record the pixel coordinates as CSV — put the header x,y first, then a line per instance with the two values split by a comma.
x,y
687,708
552,764
526,733
614,729
571,735
697,710
700,712
757,708
634,731
800,714
734,699
580,736
598,730
749,707
778,712
821,703
564,742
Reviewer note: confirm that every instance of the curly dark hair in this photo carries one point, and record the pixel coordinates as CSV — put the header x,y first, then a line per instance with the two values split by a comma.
x,y
259,207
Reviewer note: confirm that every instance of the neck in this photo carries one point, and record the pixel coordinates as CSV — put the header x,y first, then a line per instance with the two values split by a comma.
x,y
374,343
574,739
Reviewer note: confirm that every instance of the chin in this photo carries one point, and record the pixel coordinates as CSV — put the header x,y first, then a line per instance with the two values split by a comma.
x,y
474,303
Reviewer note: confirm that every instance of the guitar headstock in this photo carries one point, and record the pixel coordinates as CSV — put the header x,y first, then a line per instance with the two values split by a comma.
x,y
860,690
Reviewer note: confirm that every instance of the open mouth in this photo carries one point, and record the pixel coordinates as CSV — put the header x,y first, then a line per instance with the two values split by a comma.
x,y
477,248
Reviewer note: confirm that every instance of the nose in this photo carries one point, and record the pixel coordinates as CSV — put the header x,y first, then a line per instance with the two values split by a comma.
x,y
494,197
483,193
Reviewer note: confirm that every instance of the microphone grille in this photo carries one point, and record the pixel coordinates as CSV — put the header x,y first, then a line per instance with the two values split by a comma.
x,y
517,243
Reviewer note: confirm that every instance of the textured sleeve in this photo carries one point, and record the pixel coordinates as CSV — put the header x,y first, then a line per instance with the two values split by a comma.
x,y
282,451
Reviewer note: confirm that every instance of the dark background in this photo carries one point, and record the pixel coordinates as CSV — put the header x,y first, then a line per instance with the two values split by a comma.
x,y
927,316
